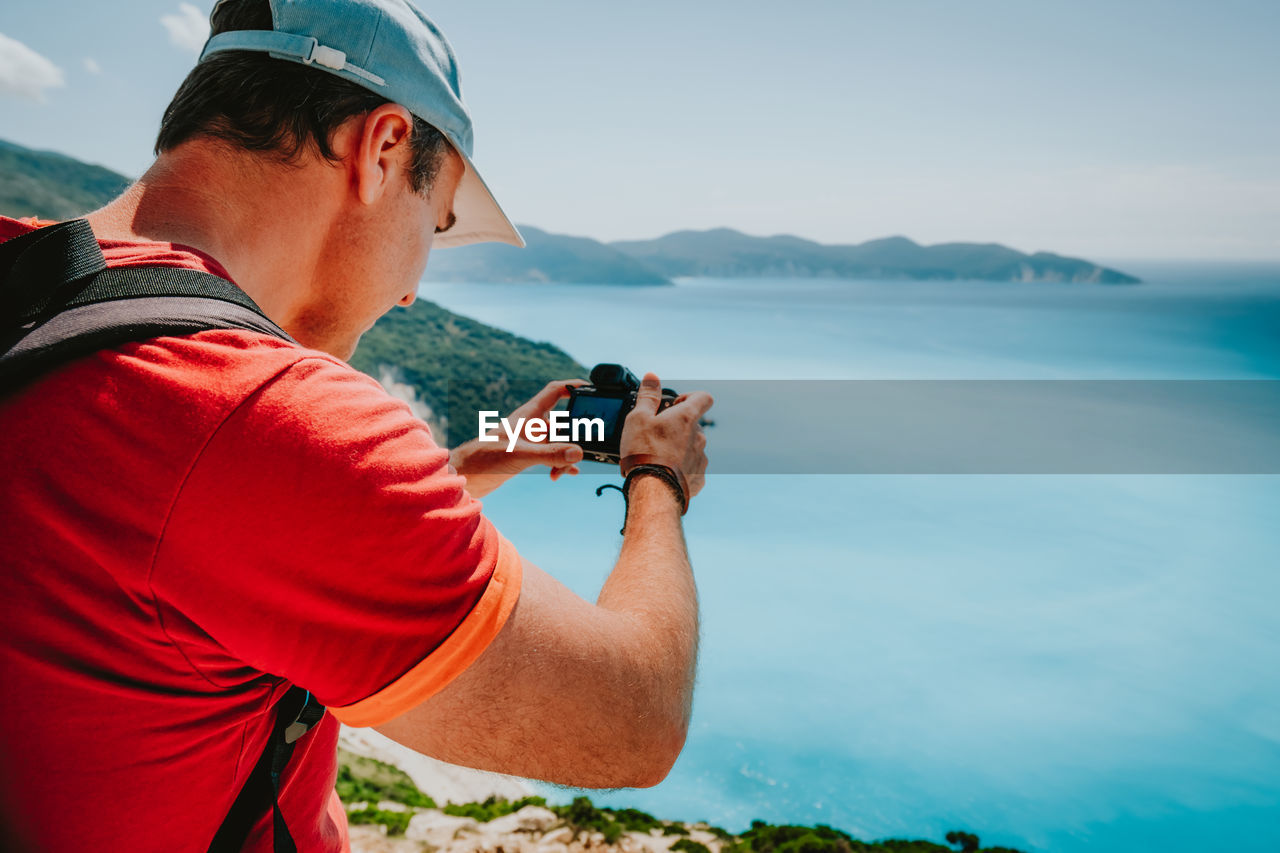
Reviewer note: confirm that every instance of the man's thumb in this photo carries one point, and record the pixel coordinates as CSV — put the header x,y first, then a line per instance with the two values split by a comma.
x,y
650,393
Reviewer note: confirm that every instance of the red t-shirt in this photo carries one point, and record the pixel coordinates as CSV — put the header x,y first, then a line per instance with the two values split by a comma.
x,y
187,523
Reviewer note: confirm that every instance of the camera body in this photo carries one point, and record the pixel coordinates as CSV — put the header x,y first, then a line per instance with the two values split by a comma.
x,y
610,397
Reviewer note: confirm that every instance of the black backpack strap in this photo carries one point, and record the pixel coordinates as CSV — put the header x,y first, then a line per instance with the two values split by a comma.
x,y
60,301
297,713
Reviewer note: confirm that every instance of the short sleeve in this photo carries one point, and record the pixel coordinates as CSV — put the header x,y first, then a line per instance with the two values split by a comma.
x,y
322,537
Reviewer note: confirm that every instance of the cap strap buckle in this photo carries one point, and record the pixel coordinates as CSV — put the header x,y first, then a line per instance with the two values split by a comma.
x,y
304,49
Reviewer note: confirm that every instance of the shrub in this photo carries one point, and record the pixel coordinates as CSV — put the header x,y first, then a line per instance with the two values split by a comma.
x,y
367,780
491,808
634,820
395,822
688,845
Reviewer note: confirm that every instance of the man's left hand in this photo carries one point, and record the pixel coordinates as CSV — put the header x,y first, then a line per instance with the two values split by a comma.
x,y
487,465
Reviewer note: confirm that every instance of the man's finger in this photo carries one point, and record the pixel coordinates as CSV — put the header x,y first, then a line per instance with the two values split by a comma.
x,y
555,454
698,401
545,399
649,395
557,473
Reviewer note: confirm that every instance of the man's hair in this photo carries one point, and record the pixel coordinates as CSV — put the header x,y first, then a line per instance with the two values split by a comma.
x,y
258,103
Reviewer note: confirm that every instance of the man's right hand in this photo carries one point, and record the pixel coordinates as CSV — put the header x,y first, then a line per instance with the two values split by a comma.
x,y
596,696
672,436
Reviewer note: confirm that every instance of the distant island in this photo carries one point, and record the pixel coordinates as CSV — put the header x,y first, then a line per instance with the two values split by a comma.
x,y
60,187
726,253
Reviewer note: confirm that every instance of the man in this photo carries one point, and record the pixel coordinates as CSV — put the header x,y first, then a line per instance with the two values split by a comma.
x,y
192,524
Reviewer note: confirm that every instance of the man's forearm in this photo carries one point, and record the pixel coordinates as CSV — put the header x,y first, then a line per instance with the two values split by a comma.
x,y
653,583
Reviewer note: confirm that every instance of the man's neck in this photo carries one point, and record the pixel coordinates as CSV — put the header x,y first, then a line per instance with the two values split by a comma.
x,y
237,208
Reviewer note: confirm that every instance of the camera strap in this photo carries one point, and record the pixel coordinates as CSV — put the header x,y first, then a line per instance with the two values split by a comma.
x,y
60,301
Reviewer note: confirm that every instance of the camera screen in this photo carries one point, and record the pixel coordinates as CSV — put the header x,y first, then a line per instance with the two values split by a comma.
x,y
605,408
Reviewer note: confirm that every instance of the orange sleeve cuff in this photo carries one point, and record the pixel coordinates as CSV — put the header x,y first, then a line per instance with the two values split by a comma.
x,y
459,650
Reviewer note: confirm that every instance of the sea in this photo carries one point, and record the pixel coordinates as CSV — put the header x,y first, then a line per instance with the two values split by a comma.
x,y
1065,659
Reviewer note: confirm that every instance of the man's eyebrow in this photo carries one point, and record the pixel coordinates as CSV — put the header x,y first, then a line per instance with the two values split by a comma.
x,y
452,220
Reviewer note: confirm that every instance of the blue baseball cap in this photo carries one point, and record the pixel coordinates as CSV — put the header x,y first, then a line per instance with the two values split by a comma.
x,y
391,48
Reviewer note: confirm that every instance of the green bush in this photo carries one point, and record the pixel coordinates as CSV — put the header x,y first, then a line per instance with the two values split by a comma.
x,y
395,822
491,808
582,816
688,845
634,820
766,838
367,780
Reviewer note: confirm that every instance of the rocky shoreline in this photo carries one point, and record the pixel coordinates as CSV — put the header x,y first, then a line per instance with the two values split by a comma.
x,y
532,829
393,798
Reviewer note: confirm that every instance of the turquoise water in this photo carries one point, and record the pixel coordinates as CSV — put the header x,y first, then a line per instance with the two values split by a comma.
x,y
1055,662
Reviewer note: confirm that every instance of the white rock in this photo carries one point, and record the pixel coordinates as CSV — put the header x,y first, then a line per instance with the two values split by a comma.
x,y
561,836
439,829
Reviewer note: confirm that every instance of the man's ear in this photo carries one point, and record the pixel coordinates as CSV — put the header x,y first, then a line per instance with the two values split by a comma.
x,y
382,150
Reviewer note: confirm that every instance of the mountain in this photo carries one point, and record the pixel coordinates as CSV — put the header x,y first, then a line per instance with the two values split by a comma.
x,y
725,253
52,186
58,187
546,258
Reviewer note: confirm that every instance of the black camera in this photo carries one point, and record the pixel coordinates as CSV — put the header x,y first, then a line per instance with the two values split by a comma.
x,y
601,407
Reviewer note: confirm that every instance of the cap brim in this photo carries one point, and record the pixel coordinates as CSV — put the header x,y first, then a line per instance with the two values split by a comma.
x,y
478,218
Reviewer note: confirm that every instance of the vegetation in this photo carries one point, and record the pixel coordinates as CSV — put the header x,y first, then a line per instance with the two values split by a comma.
x,y
368,780
458,366
396,822
364,780
494,807
52,186
581,815
767,838
688,845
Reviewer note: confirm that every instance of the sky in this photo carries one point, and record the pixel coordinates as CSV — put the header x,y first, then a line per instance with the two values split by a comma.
x,y
1109,130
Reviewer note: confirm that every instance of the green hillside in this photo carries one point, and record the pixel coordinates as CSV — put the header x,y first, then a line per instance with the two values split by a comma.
x,y
458,366
52,186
